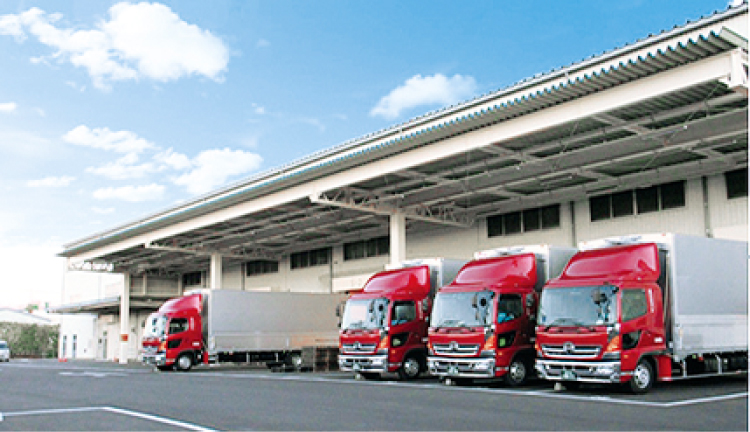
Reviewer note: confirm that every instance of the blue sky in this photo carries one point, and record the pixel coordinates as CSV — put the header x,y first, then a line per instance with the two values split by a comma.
x,y
110,111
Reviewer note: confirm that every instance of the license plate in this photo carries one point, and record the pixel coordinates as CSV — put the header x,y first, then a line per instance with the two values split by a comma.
x,y
568,375
356,366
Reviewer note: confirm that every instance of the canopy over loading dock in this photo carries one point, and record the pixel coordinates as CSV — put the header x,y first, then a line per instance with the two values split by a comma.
x,y
673,106
669,107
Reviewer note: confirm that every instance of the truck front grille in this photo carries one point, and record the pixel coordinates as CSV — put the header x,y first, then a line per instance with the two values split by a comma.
x,y
455,349
569,350
357,347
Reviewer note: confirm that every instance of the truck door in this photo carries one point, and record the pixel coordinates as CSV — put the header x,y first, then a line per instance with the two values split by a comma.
x,y
404,328
636,333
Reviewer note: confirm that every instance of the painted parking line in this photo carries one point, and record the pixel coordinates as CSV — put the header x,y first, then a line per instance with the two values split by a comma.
x,y
92,374
550,393
115,410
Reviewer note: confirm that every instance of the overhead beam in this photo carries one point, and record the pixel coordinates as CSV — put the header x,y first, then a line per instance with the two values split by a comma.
x,y
710,69
443,216
206,252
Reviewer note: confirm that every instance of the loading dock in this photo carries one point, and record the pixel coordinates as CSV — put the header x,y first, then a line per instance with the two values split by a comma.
x,y
660,123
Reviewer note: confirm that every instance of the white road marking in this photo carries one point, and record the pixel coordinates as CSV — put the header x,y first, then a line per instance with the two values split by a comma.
x,y
136,414
93,374
534,393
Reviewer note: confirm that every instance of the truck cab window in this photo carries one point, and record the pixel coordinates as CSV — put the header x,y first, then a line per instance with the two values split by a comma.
x,y
403,312
178,325
633,304
509,307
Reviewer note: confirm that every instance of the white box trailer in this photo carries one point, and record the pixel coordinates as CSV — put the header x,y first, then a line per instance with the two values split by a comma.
x,y
245,321
705,283
218,326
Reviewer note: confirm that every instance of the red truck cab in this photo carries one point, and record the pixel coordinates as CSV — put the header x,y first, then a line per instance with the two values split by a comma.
x,y
173,336
637,309
482,324
384,327
601,316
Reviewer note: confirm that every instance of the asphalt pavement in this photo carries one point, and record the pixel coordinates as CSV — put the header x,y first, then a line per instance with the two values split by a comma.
x,y
87,395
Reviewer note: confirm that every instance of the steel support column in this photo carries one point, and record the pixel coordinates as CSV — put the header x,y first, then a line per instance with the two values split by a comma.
x,y
398,237
216,272
125,319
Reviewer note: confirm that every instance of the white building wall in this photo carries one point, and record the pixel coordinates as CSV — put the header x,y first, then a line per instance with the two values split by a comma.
x,y
685,220
728,216
82,328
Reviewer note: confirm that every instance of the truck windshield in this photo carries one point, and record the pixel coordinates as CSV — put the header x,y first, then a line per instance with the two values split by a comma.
x,y
464,309
579,306
365,314
155,326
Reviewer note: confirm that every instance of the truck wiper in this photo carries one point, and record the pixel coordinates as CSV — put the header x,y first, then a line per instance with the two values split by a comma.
x,y
452,323
357,325
561,321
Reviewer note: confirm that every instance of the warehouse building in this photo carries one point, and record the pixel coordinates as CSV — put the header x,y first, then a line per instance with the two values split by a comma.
x,y
649,137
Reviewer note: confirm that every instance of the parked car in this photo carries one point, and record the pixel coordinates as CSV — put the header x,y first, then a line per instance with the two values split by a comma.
x,y
4,351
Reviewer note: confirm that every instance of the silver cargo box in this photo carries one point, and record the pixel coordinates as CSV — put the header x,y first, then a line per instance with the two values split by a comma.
x,y
246,321
707,288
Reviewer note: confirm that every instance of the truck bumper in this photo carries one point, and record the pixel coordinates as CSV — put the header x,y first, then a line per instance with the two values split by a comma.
x,y
155,359
359,363
595,372
482,367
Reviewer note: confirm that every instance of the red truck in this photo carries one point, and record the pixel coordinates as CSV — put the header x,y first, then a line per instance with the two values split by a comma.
x,y
636,309
384,327
482,324
239,326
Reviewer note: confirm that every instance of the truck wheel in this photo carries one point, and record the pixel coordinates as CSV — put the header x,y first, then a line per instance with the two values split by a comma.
x,y
184,362
643,377
518,372
411,368
294,360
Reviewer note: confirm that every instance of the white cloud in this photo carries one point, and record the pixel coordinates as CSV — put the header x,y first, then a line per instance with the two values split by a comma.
x,y
8,107
131,193
212,168
102,210
314,123
51,182
419,90
262,43
35,268
144,40
170,158
103,138
124,168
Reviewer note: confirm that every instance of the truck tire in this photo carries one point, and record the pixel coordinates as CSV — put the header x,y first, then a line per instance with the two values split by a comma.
x,y
518,372
184,362
643,377
294,359
411,367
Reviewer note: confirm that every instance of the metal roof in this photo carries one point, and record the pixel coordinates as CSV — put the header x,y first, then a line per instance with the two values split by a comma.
x,y
693,131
